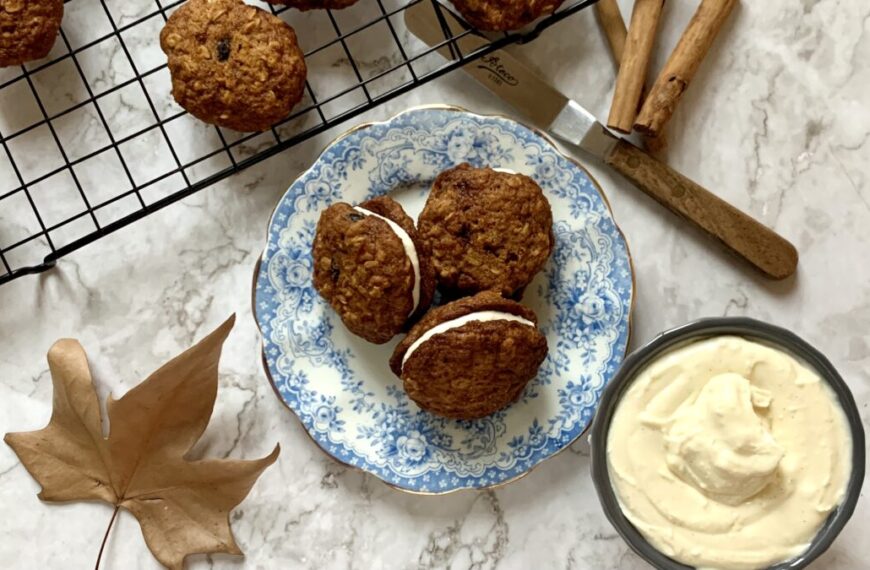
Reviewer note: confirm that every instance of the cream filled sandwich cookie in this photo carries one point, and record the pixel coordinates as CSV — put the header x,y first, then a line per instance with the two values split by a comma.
x,y
471,357
370,266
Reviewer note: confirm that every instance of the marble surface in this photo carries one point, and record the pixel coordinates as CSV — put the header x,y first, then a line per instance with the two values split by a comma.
x,y
777,122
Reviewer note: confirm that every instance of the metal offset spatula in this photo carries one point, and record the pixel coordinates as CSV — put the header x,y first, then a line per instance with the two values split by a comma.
x,y
566,120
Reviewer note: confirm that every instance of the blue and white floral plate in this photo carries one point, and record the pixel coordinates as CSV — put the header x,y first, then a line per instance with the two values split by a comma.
x,y
341,387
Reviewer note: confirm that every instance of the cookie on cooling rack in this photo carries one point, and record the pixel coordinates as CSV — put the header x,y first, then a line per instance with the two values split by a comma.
x,y
28,29
470,358
486,229
371,267
232,64
503,15
315,4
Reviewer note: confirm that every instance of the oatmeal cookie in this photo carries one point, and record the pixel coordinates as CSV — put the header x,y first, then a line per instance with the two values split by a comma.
x,y
486,230
503,15
232,64
371,267
470,358
28,29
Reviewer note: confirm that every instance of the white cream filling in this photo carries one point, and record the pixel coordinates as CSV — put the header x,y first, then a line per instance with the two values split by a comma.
x,y
410,251
505,170
481,316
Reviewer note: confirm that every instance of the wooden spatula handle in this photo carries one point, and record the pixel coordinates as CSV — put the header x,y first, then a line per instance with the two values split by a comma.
x,y
742,234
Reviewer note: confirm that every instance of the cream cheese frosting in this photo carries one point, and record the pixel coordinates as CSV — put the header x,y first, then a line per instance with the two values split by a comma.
x,y
727,453
410,251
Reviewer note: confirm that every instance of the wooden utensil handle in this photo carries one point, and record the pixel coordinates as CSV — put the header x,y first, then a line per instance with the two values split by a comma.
x,y
745,236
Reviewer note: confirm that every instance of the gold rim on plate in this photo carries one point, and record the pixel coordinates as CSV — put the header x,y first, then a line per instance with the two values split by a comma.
x,y
368,124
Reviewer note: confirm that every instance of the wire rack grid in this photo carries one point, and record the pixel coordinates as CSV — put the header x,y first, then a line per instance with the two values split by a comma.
x,y
92,140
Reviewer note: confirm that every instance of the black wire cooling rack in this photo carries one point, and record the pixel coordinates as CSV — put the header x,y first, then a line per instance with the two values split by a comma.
x,y
92,141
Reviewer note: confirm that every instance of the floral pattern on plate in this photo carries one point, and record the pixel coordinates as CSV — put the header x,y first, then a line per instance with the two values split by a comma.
x,y
341,387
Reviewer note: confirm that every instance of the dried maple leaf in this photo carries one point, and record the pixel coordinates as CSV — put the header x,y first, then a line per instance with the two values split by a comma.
x,y
182,506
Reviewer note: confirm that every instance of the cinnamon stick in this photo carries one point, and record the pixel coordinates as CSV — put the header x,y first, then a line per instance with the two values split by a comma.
x,y
656,145
635,58
610,20
678,72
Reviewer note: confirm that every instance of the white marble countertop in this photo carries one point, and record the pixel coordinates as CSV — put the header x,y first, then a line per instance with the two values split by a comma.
x,y
777,122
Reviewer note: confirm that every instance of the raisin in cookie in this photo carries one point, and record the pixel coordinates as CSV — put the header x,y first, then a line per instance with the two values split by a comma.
x,y
28,29
502,15
486,229
232,64
371,267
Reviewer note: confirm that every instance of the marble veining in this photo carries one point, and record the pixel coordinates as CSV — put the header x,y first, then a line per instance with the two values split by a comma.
x,y
777,122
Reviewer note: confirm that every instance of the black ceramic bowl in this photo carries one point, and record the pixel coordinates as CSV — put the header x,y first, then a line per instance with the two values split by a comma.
x,y
699,330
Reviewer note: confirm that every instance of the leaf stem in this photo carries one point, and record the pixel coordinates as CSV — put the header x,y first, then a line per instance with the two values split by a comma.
x,y
106,536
